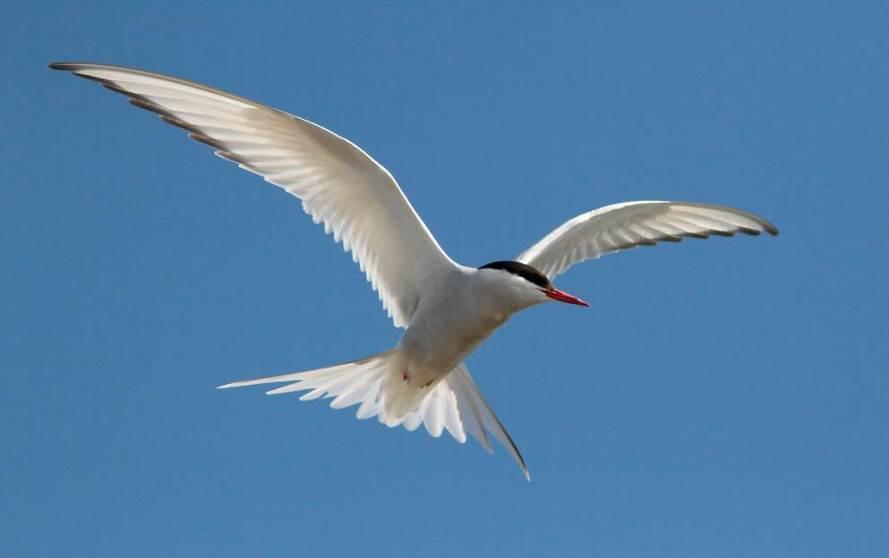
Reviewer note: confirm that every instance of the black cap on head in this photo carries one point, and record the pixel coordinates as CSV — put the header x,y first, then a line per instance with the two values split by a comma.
x,y
523,270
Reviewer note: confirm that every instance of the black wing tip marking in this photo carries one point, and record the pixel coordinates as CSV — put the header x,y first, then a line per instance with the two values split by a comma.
x,y
142,102
767,227
74,65
206,140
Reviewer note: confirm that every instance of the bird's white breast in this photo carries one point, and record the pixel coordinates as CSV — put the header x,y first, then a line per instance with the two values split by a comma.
x,y
463,309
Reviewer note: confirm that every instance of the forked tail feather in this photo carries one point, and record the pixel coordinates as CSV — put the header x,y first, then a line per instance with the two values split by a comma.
x,y
454,404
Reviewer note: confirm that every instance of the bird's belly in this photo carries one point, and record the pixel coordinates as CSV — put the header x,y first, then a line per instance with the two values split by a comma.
x,y
436,343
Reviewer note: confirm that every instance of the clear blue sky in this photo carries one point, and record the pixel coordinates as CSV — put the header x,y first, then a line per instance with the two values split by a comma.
x,y
722,398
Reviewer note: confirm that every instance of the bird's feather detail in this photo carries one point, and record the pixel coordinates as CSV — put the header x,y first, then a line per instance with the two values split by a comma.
x,y
341,186
641,223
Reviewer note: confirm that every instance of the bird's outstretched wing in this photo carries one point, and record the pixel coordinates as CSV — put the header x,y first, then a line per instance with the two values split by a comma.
x,y
340,185
640,223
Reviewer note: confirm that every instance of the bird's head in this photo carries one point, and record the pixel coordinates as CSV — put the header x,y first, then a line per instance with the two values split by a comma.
x,y
526,285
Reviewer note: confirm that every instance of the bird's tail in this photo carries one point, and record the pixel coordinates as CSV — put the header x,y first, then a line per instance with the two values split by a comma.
x,y
360,381
375,382
454,403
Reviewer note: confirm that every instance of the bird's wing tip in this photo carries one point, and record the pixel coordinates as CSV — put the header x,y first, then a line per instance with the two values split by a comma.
x,y
63,65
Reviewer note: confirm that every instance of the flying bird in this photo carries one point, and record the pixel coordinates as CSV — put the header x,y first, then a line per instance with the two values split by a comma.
x,y
446,309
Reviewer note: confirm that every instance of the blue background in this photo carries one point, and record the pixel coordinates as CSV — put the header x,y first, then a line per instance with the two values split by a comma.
x,y
719,398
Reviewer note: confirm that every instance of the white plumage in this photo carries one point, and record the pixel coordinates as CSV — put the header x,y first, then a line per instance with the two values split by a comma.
x,y
447,309
630,224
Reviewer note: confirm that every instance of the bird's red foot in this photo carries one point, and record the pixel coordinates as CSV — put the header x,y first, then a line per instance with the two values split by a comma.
x,y
404,376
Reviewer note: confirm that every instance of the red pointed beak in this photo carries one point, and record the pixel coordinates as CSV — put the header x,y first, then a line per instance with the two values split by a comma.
x,y
562,296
